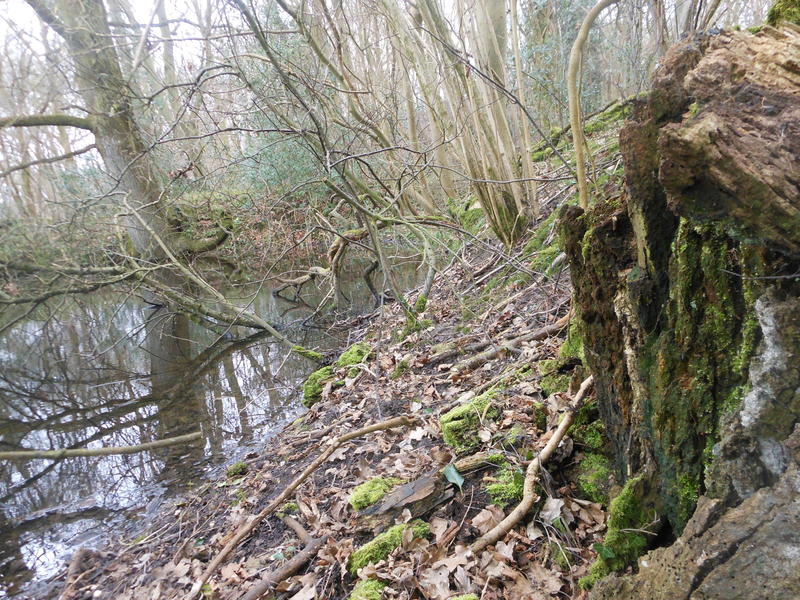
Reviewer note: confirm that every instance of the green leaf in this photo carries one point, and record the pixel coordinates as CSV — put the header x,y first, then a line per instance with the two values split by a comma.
x,y
453,476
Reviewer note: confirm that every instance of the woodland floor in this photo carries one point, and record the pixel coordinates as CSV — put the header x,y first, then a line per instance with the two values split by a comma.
x,y
476,302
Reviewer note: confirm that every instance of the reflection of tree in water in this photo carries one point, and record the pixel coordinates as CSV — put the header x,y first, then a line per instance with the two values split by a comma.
x,y
101,375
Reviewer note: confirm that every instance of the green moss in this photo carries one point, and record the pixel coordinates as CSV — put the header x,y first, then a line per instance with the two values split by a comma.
x,y
784,10
610,117
573,345
370,492
289,508
697,367
460,425
367,589
465,597
399,369
312,388
237,469
355,354
594,477
421,304
559,556
623,544
309,354
552,380
383,545
509,487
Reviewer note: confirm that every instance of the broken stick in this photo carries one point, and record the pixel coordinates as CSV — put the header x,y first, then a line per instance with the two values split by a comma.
x,y
532,474
246,529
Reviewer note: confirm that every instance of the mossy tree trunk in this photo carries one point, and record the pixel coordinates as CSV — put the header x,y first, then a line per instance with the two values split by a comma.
x,y
681,282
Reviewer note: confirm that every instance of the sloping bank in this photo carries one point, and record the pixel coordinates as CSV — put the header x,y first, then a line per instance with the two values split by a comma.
x,y
689,297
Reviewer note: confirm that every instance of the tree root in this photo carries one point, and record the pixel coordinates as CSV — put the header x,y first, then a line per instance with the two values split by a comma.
x,y
246,529
532,474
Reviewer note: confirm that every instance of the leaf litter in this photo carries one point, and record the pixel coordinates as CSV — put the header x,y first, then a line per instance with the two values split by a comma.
x,y
404,378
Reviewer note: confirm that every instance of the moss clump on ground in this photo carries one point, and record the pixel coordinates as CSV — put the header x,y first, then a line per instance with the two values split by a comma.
x,y
288,509
784,10
237,469
399,369
460,425
588,430
509,487
312,388
383,545
623,543
594,478
369,492
367,589
355,354
552,380
309,354
559,556
465,597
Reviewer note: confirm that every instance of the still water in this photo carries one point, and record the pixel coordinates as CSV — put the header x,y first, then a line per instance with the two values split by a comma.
x,y
109,370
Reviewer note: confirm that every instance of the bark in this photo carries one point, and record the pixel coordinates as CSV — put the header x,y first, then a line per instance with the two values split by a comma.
x,y
687,294
83,24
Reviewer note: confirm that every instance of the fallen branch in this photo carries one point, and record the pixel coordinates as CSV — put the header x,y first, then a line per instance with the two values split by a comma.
x,y
246,529
511,344
290,567
109,451
532,474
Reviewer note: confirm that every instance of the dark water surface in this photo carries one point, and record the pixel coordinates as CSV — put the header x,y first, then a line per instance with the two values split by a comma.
x,y
108,370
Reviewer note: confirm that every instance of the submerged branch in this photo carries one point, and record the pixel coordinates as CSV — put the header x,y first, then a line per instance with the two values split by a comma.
x,y
108,451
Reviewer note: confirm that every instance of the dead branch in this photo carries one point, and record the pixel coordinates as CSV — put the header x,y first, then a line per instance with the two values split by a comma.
x,y
246,529
289,568
109,451
532,474
508,345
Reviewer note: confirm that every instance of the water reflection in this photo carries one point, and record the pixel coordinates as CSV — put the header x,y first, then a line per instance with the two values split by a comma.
x,y
109,371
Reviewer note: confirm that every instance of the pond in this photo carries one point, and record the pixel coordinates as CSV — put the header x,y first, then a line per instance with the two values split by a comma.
x,y
111,370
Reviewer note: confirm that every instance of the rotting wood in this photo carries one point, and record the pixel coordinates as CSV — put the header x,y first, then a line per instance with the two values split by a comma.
x,y
247,528
532,474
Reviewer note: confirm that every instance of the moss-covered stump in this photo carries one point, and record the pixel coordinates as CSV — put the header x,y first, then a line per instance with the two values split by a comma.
x,y
367,589
384,544
675,281
460,426
313,386
784,11
370,492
